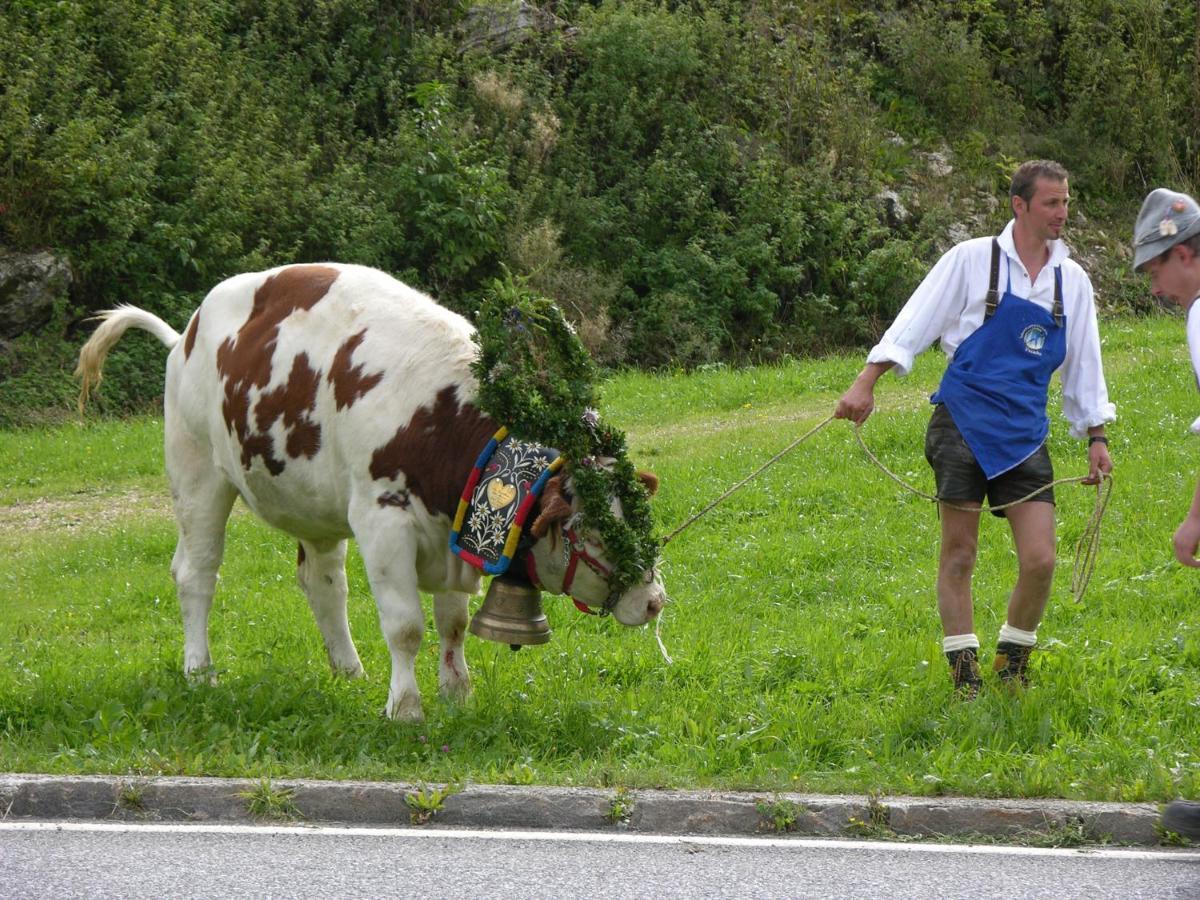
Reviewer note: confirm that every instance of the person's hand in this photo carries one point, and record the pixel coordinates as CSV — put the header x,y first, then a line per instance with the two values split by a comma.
x,y
857,403
1099,463
1186,540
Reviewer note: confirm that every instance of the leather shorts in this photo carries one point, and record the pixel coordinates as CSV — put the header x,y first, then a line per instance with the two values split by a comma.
x,y
959,477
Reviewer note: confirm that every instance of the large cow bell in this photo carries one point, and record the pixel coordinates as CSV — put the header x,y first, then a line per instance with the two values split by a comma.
x,y
511,613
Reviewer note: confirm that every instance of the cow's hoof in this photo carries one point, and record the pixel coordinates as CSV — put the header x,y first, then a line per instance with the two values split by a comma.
x,y
349,672
201,675
456,690
407,709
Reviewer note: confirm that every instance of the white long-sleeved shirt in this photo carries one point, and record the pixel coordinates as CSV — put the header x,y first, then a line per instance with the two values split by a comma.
x,y
1193,339
950,304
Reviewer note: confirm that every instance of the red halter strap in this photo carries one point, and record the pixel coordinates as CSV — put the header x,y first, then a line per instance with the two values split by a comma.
x,y
576,551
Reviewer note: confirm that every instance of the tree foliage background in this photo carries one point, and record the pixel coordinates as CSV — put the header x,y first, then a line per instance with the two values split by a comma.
x,y
693,182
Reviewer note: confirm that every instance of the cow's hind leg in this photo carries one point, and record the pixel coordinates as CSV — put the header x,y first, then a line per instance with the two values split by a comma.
x,y
321,571
450,615
202,499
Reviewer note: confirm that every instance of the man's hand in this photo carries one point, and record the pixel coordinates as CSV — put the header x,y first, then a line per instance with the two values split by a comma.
x,y
859,402
1099,463
1186,540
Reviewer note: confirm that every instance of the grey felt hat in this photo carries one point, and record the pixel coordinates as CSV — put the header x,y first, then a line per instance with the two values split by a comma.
x,y
1166,218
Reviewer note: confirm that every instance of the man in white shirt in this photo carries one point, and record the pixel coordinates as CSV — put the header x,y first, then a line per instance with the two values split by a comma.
x,y
1008,311
1166,246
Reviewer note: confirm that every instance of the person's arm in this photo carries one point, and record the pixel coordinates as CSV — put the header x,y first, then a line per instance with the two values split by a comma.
x,y
1193,340
1099,462
1085,393
937,302
1187,535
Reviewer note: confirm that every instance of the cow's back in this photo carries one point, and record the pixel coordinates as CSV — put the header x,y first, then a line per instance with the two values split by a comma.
x,y
312,384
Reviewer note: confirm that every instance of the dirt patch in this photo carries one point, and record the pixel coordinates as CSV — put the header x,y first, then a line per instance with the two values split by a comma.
x,y
84,511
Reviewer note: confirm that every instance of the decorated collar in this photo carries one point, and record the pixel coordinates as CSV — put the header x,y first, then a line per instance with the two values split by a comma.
x,y
501,491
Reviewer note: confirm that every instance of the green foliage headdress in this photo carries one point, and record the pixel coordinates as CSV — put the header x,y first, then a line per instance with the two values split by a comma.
x,y
536,378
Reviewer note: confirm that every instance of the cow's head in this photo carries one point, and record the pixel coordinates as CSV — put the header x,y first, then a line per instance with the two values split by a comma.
x,y
569,559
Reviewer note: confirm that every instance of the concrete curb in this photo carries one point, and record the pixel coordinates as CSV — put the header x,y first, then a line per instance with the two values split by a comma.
x,y
134,799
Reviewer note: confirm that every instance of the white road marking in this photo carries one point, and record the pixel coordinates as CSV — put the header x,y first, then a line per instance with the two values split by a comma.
x,y
602,838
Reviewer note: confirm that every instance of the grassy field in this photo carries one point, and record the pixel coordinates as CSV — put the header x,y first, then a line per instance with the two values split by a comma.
x,y
803,627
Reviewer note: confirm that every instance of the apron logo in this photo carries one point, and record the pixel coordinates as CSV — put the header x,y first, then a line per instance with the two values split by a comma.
x,y
1034,338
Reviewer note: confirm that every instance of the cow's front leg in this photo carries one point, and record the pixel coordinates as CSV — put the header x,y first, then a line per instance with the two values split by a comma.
x,y
402,622
390,558
321,571
450,614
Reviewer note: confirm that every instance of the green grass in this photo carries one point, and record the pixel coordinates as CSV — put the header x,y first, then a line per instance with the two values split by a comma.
x,y
803,626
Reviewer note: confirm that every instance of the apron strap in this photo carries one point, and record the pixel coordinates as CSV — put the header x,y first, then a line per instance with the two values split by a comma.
x,y
993,297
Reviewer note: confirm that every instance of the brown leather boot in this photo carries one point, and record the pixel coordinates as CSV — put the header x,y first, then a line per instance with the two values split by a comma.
x,y
1012,662
964,669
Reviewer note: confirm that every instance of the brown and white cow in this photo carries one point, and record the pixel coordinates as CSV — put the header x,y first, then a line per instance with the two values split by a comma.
x,y
336,402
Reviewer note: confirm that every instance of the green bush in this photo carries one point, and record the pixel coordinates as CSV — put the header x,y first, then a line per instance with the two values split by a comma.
x,y
692,181
1130,80
938,57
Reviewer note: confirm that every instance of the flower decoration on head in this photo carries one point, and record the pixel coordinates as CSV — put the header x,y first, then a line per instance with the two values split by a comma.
x,y
515,322
543,391
591,420
1168,228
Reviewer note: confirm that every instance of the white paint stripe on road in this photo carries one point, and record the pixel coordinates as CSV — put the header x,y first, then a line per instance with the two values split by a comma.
x,y
600,838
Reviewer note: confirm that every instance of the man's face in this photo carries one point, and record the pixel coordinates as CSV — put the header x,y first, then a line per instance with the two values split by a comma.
x,y
1174,276
1046,212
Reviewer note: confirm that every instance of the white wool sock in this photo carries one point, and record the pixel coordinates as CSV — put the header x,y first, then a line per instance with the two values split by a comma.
x,y
1010,635
952,642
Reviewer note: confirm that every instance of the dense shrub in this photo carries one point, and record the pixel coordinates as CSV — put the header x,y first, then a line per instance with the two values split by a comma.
x,y
693,180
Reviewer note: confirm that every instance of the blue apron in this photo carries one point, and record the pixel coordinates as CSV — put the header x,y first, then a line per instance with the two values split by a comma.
x,y
996,385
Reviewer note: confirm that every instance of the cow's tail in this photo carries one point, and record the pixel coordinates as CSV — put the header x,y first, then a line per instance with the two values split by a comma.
x,y
113,324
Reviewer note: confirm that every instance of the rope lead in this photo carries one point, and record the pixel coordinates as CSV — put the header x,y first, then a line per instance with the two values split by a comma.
x,y
1086,550
770,462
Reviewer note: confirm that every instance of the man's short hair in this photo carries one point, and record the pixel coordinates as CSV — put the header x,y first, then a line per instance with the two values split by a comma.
x,y
1193,242
1024,180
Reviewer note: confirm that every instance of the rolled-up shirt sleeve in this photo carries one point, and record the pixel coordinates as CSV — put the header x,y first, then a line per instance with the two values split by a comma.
x,y
1085,401
937,302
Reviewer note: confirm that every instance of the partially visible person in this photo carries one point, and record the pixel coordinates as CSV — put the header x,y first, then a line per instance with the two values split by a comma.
x,y
1008,311
1166,246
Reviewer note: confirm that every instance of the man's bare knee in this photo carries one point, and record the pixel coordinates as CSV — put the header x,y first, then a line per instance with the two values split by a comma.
x,y
1038,564
958,555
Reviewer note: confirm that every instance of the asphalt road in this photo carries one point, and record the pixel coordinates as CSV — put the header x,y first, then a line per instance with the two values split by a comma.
x,y
66,860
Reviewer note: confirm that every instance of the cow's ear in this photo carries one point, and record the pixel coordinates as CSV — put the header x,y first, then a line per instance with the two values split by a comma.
x,y
649,481
554,508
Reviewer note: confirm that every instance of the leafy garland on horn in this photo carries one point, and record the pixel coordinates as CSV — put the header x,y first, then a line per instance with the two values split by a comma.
x,y
536,378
